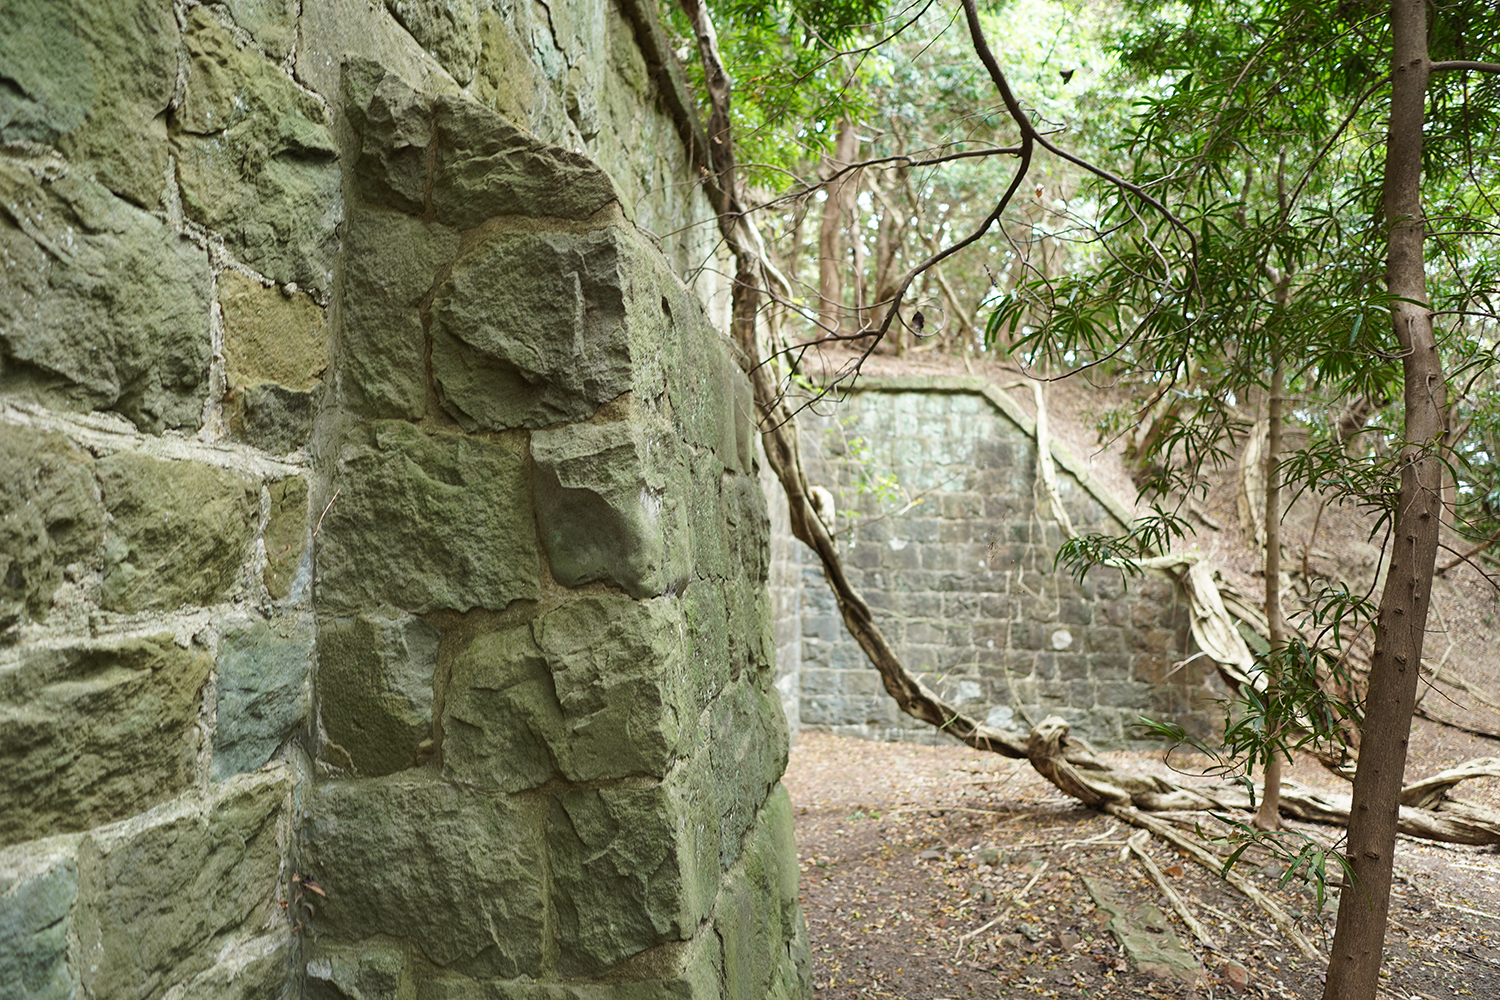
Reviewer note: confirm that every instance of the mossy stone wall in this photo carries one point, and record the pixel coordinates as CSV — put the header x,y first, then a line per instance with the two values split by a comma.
x,y
383,569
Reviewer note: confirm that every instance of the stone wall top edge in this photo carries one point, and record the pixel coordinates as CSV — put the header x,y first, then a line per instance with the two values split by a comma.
x,y
1012,411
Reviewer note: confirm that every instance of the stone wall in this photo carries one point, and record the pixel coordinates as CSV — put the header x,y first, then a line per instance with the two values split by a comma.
x,y
935,486
383,605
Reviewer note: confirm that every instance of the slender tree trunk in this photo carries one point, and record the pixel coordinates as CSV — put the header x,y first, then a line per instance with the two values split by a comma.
x,y
1354,967
831,263
1268,816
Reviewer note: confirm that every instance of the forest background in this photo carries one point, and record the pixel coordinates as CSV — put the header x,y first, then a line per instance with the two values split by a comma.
x,y
1244,221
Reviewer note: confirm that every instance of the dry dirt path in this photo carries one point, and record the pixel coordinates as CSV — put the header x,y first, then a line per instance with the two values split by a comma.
x,y
941,872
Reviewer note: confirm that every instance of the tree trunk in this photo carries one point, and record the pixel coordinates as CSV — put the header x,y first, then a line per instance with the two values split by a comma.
x,y
1354,967
1268,816
831,263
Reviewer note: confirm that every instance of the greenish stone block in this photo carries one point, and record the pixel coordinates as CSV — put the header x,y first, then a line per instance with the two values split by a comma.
x,y
482,165
449,29
708,647
488,167
534,329
49,517
678,971
460,875
594,690
286,536
94,81
263,675
375,689
157,901
272,23
747,747
757,916
632,869
257,969
427,521
179,532
610,501
35,910
272,417
90,734
392,264
373,971
271,335
102,307
255,160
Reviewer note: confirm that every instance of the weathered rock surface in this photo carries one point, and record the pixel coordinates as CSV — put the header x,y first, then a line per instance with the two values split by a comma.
x,y
532,329
179,531
394,261
91,734
103,306
592,691
449,29
34,909
375,684
286,537
157,901
610,500
427,521
632,868
50,516
459,874
255,159
93,80
262,692
481,166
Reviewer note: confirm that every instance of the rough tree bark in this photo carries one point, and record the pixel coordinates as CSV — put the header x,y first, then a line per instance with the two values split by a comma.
x,y
1354,967
1268,816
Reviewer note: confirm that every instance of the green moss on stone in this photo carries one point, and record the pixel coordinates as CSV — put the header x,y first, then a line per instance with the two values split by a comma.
x,y
179,532
90,734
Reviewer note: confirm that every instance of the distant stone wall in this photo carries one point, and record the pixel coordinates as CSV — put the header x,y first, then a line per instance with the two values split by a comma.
x,y
962,580
379,512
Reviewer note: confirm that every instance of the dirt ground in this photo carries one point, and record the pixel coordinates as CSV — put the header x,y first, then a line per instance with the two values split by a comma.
x,y
941,873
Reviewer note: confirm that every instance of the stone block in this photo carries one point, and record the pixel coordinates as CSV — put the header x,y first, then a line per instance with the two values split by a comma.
x,y
375,689
272,417
632,868
533,329
102,307
37,894
708,645
255,160
272,23
271,335
674,971
94,81
158,900
594,690
179,532
487,167
286,537
374,970
50,516
253,969
757,916
449,29
610,503
263,686
392,263
427,521
747,749
460,875
89,734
